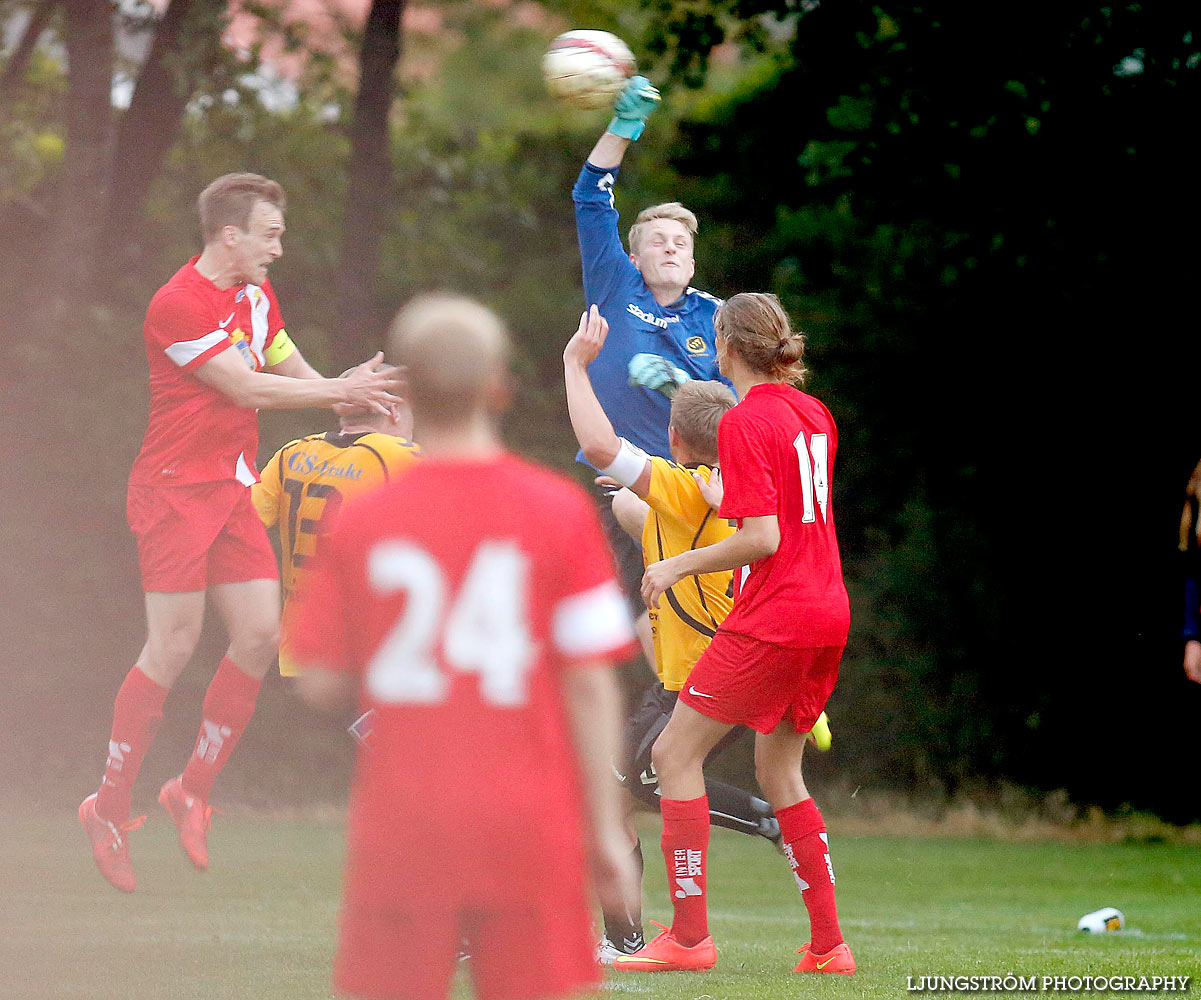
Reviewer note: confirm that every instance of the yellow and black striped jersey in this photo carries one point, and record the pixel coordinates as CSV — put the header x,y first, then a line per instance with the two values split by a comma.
x,y
307,481
689,612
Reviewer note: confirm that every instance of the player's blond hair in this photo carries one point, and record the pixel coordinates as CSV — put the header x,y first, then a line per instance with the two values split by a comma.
x,y
696,410
454,348
668,210
756,328
228,201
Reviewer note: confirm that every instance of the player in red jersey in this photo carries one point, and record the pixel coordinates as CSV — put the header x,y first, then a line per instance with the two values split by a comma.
x,y
218,352
774,660
473,606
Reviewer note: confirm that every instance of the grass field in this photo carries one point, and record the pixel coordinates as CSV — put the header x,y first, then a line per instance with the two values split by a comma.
x,y
260,924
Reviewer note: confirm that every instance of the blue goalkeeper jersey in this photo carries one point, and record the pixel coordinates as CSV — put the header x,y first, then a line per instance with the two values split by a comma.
x,y
681,332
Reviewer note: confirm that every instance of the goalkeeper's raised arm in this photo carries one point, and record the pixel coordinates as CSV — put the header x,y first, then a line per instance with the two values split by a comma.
x,y
661,329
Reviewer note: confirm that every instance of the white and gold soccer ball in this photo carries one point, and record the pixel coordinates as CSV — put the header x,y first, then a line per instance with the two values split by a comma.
x,y
587,68
1108,918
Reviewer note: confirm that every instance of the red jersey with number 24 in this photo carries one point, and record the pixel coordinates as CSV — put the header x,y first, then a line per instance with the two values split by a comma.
x,y
195,433
458,595
777,455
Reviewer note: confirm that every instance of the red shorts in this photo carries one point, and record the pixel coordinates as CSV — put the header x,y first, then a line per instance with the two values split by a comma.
x,y
193,537
744,681
522,951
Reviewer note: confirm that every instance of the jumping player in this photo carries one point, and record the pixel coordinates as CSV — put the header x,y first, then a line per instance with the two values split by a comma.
x,y
308,480
473,607
218,352
661,329
774,660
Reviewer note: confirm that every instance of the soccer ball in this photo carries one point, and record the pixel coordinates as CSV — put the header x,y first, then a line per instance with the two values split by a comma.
x,y
1108,918
587,68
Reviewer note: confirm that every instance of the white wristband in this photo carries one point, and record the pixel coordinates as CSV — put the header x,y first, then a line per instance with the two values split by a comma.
x,y
628,465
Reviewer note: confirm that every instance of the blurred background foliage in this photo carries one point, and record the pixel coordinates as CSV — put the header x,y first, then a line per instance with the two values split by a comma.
x,y
984,219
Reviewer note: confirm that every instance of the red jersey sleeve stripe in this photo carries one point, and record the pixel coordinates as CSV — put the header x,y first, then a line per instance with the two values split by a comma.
x,y
593,623
185,352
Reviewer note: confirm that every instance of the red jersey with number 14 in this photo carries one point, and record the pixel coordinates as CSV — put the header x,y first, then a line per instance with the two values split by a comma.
x,y
777,455
195,433
458,595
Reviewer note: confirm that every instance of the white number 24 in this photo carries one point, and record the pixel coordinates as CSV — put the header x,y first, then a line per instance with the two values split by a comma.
x,y
484,631
813,463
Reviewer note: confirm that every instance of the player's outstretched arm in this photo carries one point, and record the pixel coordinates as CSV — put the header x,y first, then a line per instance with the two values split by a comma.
x,y
609,151
758,538
631,513
601,446
594,710
294,366
372,385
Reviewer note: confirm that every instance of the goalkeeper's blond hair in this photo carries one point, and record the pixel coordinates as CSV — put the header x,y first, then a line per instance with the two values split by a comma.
x,y
668,210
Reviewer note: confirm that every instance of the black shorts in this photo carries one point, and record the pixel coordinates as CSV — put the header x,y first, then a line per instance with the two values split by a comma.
x,y
634,768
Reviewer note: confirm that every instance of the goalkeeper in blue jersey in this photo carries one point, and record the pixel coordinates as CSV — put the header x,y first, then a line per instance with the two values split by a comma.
x,y
660,328
660,336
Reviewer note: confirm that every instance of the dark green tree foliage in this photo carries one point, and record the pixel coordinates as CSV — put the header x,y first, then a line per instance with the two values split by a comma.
x,y
982,216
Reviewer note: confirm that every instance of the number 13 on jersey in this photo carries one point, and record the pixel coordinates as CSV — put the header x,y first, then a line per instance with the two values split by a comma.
x,y
482,629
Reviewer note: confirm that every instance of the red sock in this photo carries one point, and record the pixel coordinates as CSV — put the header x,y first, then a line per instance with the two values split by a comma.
x,y
228,707
137,712
685,842
807,848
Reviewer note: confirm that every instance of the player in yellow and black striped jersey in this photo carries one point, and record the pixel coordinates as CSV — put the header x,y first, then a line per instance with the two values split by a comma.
x,y
679,519
308,480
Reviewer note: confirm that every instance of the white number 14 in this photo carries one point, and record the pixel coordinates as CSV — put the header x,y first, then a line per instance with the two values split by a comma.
x,y
814,481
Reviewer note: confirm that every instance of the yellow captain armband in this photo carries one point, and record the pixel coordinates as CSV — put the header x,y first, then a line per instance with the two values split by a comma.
x,y
281,348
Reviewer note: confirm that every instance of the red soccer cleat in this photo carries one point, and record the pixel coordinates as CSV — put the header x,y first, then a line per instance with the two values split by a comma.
x,y
665,954
838,960
191,817
110,846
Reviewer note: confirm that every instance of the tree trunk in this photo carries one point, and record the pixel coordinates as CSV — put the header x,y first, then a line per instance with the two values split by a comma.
x,y
370,187
77,231
18,62
186,46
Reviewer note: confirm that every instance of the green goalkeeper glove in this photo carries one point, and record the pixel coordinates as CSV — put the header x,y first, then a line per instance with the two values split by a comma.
x,y
632,108
653,372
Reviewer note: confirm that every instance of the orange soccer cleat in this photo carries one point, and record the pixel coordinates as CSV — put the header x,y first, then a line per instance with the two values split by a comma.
x,y
110,845
838,960
191,817
665,954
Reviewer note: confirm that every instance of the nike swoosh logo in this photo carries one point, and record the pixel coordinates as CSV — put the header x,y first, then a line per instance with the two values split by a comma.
x,y
697,694
822,965
227,319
